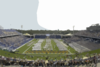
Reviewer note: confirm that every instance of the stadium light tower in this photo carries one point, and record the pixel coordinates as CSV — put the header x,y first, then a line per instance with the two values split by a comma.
x,y
22,28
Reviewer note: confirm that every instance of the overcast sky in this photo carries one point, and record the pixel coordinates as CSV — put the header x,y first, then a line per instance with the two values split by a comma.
x,y
49,14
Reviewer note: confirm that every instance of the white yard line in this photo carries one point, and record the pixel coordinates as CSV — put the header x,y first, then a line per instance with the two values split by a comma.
x,y
28,48
63,43
30,43
65,46
52,53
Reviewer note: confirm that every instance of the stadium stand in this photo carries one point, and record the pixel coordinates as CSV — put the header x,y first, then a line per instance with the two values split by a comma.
x,y
40,36
88,34
52,36
58,36
55,36
12,42
8,32
79,42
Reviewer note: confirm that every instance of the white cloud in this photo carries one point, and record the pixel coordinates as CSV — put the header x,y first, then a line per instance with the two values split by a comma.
x,y
63,14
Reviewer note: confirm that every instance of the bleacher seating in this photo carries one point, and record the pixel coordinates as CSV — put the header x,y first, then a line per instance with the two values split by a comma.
x,y
58,36
55,36
12,42
52,36
89,34
8,32
40,36
85,42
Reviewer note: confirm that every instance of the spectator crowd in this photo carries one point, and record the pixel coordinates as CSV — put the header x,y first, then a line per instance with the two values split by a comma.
x,y
89,34
86,61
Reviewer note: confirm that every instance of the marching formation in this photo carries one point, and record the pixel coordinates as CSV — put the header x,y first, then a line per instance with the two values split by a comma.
x,y
37,46
48,47
60,46
47,51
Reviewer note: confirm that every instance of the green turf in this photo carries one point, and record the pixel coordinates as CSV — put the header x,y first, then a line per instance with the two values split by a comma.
x,y
71,49
23,48
61,40
51,56
9,54
35,56
32,45
91,52
43,56
54,46
88,53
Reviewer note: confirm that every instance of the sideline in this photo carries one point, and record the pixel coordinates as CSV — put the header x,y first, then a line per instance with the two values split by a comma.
x,y
51,53
65,46
28,48
22,45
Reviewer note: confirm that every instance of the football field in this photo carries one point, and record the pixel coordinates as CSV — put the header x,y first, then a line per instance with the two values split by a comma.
x,y
43,46
47,48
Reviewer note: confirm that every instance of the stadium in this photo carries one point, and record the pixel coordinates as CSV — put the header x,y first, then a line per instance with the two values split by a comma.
x,y
49,33
49,50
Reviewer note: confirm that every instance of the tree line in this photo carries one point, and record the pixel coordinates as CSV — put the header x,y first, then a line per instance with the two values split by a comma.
x,y
94,28
47,31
